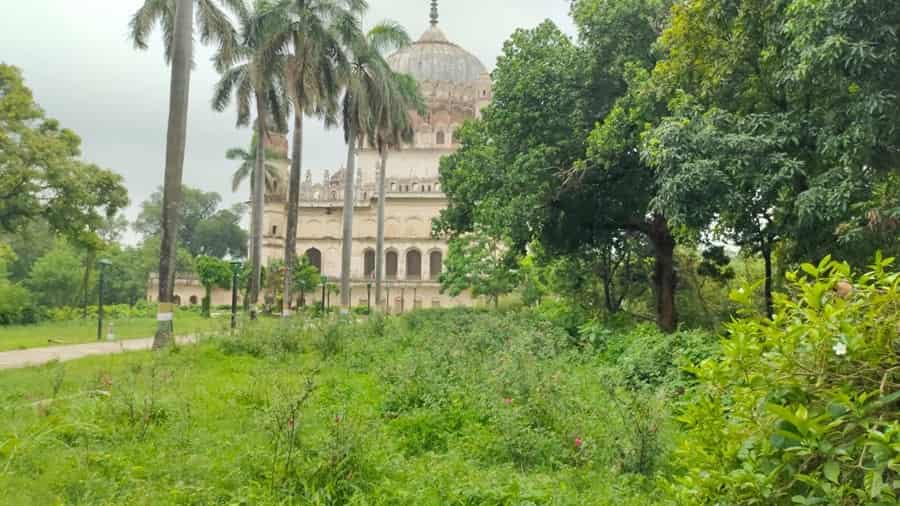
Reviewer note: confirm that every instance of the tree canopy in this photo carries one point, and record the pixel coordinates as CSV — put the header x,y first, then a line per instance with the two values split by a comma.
x,y
42,176
204,229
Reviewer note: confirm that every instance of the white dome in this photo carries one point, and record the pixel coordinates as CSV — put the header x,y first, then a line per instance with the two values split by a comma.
x,y
434,58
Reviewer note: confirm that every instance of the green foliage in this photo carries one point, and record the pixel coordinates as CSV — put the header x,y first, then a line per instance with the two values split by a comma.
x,y
481,264
212,273
506,173
41,175
15,304
55,278
801,409
203,228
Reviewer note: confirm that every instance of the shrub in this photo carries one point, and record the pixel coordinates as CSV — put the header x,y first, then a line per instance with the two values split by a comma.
x,y
563,314
276,339
15,304
802,409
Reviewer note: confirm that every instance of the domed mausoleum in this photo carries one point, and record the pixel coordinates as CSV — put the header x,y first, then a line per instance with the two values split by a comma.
x,y
456,86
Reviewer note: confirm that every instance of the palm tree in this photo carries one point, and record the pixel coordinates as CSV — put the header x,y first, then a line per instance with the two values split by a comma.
x,y
391,130
254,76
311,33
365,96
176,19
274,178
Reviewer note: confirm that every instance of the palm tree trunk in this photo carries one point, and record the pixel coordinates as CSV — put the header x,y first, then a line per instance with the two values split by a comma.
x,y
175,144
259,188
290,242
379,237
347,243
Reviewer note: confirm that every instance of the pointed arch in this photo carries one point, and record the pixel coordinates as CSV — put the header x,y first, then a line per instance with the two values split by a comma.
x,y
315,258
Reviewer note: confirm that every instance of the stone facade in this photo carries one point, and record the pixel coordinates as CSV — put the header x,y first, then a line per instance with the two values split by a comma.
x,y
456,87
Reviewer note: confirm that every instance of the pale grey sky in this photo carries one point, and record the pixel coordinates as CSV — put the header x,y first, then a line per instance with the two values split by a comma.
x,y
83,70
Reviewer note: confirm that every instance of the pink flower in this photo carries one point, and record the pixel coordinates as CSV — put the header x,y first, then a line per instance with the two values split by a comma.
x,y
578,442
507,400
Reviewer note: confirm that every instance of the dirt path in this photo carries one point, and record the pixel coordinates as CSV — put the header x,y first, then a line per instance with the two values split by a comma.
x,y
38,356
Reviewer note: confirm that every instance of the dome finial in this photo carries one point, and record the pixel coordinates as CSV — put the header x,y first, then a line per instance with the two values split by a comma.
x,y
434,12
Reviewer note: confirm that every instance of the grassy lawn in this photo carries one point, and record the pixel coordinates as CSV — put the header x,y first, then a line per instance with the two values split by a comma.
x,y
440,407
18,337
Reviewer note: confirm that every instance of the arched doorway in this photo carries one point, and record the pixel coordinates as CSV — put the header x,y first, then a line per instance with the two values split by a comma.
x,y
413,264
390,265
369,263
435,264
315,258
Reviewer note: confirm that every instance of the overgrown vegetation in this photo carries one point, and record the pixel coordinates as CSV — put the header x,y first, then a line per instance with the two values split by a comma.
x,y
464,406
438,407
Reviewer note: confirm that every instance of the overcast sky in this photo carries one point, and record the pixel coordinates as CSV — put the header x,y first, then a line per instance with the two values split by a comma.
x,y
83,71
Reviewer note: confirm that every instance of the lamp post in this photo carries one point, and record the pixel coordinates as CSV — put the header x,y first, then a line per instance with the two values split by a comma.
x,y
103,264
235,269
369,296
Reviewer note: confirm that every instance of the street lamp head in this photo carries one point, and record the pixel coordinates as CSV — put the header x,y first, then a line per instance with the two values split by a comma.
x,y
104,262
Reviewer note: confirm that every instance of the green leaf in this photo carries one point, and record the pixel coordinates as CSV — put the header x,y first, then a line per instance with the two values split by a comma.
x,y
877,485
832,471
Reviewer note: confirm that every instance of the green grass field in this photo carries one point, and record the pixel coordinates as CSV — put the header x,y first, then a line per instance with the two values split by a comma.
x,y
18,337
435,408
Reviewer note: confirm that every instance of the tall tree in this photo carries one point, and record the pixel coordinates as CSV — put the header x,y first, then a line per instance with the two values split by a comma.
x,y
776,105
364,98
391,129
312,33
253,75
176,20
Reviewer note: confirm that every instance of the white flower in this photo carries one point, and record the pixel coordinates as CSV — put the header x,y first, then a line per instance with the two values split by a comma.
x,y
840,348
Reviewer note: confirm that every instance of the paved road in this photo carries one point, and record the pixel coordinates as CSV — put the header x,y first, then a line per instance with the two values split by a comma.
x,y
38,356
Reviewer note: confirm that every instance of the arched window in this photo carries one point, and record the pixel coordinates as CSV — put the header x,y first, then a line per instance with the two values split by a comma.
x,y
390,265
393,187
369,263
440,140
177,300
435,264
333,195
315,258
413,264
193,300
274,229
454,138
415,187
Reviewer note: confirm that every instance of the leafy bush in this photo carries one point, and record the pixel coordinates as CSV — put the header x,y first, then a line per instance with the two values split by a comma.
x,y
563,314
275,338
116,311
15,304
802,409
